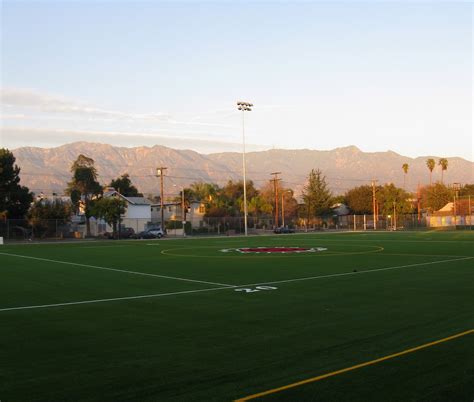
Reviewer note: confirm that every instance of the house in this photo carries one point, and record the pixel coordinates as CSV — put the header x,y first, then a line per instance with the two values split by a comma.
x,y
452,215
138,210
172,211
340,209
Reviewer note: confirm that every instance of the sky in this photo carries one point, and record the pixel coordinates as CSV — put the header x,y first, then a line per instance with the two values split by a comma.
x,y
380,75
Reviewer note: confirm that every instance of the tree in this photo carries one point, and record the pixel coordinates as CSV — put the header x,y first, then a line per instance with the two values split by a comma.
x,y
204,192
124,186
443,162
405,170
430,164
436,196
316,195
109,209
232,195
258,205
15,200
44,212
188,198
467,190
289,203
84,182
391,196
359,199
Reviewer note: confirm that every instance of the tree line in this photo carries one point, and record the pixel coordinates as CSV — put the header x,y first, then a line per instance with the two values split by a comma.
x,y
316,199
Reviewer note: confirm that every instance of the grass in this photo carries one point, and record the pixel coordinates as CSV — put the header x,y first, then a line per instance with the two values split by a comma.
x,y
367,296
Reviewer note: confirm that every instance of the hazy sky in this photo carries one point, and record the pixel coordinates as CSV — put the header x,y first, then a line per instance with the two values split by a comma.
x,y
378,75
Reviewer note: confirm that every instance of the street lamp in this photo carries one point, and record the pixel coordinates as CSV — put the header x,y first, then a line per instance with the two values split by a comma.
x,y
244,107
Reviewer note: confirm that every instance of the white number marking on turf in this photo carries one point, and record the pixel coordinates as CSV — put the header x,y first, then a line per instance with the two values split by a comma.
x,y
257,289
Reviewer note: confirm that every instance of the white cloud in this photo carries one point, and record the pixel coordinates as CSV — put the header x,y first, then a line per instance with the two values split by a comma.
x,y
41,103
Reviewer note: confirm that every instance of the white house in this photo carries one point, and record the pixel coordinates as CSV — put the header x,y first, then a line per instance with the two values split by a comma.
x,y
172,211
138,210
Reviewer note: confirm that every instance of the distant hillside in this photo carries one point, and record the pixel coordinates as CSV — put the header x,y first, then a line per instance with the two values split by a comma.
x,y
47,169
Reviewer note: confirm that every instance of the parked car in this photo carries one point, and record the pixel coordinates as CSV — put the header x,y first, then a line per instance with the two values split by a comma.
x,y
125,233
153,233
283,230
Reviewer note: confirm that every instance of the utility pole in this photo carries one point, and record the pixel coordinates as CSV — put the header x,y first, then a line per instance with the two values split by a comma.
x,y
374,204
275,181
160,172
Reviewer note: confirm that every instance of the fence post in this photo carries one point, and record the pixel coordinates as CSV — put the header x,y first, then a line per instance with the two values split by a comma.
x,y
354,222
365,222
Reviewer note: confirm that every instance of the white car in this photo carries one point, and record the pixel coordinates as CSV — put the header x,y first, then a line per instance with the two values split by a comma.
x,y
158,232
150,234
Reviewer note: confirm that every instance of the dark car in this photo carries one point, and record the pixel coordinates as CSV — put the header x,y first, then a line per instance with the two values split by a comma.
x,y
283,230
125,233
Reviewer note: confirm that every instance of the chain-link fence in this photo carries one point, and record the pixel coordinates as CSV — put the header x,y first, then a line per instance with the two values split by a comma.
x,y
25,230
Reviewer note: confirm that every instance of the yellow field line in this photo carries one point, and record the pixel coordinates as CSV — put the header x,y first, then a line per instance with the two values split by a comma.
x,y
357,366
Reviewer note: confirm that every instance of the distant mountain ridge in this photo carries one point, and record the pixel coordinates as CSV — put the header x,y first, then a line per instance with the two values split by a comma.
x,y
48,169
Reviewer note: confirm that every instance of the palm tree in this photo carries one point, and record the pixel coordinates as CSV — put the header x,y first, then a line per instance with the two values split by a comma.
x,y
443,162
405,170
430,163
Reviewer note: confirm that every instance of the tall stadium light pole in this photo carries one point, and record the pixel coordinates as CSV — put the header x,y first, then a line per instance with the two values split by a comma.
x,y
183,212
470,212
283,206
244,107
160,172
394,215
275,181
456,187
374,205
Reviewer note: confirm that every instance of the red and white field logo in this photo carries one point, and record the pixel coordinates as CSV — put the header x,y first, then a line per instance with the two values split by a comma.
x,y
274,250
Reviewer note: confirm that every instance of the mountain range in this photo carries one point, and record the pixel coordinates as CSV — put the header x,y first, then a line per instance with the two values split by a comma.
x,y
48,169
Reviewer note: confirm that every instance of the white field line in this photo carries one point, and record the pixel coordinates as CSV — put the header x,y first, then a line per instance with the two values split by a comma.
x,y
320,235
114,299
111,246
367,271
115,269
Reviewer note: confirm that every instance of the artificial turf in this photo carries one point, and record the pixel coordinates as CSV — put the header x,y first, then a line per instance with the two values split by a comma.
x,y
194,337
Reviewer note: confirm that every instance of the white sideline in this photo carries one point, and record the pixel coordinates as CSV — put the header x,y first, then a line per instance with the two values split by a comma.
x,y
113,299
114,269
366,271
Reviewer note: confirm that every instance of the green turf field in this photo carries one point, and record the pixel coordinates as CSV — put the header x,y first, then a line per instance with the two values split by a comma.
x,y
169,320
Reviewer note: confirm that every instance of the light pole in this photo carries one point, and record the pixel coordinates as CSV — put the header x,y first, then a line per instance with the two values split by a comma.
x,y
394,215
374,205
183,212
283,206
456,187
160,173
244,107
